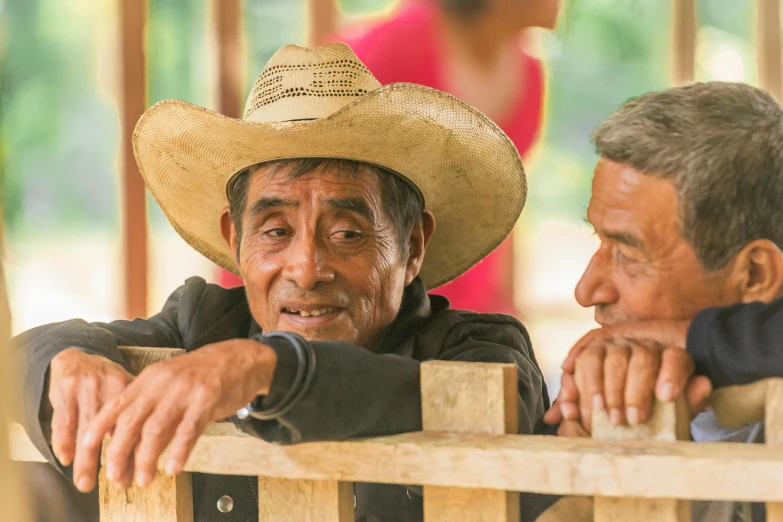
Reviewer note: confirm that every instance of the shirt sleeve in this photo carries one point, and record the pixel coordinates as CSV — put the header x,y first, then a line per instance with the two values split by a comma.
x,y
738,344
357,393
37,347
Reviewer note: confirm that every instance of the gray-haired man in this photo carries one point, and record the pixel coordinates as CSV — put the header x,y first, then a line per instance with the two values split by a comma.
x,y
687,201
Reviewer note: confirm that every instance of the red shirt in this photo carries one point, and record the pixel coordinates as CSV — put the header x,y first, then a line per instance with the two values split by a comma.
x,y
405,48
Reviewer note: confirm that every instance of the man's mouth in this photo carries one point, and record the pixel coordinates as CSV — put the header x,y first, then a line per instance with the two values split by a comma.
x,y
310,313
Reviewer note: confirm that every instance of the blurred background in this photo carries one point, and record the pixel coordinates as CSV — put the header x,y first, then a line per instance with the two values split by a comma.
x,y
69,88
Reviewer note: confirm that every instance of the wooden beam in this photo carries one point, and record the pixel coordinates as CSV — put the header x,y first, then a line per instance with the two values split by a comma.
x,y
322,16
165,499
304,500
13,497
555,465
227,19
469,398
668,422
133,102
768,52
773,431
684,30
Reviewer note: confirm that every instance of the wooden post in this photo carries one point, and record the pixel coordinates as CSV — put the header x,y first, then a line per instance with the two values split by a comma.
x,y
773,431
768,50
133,102
473,398
166,499
321,20
227,20
668,421
304,500
13,497
683,40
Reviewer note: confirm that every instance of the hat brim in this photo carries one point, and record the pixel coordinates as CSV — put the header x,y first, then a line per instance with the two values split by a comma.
x,y
467,169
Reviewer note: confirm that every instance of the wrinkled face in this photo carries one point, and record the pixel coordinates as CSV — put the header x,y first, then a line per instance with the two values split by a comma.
x,y
644,268
320,257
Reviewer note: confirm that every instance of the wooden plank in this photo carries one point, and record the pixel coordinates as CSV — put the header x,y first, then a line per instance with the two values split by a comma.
x,y
227,22
773,431
668,422
133,102
304,500
165,499
13,496
768,52
684,28
555,465
469,398
322,16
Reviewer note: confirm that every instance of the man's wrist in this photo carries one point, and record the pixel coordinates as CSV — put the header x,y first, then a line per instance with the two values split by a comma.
x,y
265,363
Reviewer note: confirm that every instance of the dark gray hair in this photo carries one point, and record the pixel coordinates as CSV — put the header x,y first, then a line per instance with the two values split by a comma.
x,y
402,202
722,144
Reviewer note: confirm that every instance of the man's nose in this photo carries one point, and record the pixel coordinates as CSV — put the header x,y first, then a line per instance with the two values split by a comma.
x,y
596,286
307,263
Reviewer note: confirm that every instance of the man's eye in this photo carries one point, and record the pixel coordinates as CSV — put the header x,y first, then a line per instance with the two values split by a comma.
x,y
276,232
348,234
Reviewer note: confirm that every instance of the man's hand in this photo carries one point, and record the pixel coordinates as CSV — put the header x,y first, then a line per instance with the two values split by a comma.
x,y
79,384
173,401
622,369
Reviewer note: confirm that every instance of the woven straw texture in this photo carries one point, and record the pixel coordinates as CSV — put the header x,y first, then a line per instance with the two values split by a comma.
x,y
323,102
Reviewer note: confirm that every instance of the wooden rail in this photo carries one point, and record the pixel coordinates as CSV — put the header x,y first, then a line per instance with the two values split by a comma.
x,y
471,455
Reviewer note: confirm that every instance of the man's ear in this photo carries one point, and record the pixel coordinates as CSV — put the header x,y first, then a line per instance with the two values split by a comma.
x,y
758,271
417,245
229,232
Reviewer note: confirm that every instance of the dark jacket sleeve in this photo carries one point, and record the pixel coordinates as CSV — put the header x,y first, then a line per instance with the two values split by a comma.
x,y
358,393
37,347
738,344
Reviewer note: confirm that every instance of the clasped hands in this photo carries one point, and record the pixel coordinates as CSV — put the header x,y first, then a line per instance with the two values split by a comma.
x,y
168,405
621,369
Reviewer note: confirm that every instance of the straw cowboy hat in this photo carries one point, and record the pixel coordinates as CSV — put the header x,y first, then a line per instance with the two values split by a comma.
x,y
322,102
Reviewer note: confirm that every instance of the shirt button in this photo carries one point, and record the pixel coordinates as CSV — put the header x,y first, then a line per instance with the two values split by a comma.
x,y
225,504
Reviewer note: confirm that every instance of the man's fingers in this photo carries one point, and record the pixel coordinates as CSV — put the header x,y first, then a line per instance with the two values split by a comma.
x,y
156,434
553,415
85,462
615,371
127,432
697,393
190,428
64,423
589,376
676,369
572,429
569,364
640,383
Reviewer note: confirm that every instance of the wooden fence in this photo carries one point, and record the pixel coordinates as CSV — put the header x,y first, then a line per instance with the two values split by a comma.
x,y
470,464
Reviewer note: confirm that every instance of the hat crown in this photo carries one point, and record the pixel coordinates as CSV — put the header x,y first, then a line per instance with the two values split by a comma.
x,y
300,83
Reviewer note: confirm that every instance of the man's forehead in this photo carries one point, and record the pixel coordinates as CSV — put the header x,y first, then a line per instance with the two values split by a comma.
x,y
327,182
626,201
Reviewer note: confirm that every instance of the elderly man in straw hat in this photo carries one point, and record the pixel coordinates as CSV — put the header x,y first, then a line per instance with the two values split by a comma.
x,y
339,202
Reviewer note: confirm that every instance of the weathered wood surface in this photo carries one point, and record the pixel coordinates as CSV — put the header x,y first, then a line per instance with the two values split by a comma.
x,y
133,101
684,28
646,469
137,358
166,499
469,398
304,500
768,47
668,422
773,426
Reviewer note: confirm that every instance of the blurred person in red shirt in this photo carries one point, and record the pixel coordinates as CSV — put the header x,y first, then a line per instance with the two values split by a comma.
x,y
473,50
